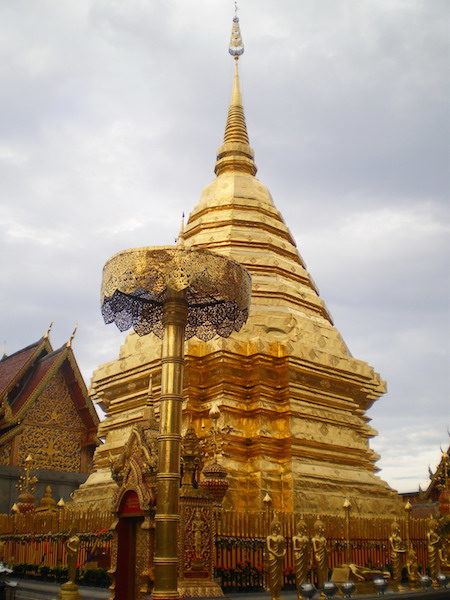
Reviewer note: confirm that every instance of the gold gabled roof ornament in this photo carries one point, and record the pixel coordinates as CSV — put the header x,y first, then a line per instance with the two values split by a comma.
x,y
235,154
47,333
72,336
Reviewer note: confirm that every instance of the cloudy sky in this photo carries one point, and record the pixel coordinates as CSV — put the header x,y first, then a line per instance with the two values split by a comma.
x,y
110,115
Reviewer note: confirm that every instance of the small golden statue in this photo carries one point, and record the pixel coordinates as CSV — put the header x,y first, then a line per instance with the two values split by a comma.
x,y
433,544
444,558
411,565
69,590
72,547
198,534
47,502
276,550
198,527
319,544
366,573
397,550
300,546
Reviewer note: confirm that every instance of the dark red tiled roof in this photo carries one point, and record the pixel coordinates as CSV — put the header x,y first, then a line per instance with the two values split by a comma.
x,y
43,366
11,366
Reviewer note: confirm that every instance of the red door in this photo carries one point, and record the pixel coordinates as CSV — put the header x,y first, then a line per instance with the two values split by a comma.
x,y
130,517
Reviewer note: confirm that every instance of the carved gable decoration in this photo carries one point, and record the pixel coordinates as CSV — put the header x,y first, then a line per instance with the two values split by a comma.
x,y
135,468
53,431
5,454
55,406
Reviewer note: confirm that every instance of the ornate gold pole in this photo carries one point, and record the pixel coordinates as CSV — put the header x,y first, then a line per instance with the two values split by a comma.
x,y
267,501
268,504
408,516
169,443
347,507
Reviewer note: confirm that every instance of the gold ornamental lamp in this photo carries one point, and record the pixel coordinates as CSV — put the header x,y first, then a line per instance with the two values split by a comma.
x,y
175,293
408,508
214,480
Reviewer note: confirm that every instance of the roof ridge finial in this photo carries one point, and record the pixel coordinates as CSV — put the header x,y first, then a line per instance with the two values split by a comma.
x,y
180,238
47,333
70,340
235,154
148,415
150,390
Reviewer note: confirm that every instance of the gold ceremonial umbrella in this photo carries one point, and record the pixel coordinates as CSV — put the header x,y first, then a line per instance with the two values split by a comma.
x,y
176,293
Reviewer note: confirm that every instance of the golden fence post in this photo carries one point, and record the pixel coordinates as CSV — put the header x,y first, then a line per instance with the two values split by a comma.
x,y
408,516
268,510
347,508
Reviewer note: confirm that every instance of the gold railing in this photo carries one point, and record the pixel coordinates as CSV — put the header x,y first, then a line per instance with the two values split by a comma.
x,y
40,538
256,524
241,539
62,521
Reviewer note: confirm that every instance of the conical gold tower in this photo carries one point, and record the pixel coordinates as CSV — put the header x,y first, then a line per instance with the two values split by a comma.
x,y
287,386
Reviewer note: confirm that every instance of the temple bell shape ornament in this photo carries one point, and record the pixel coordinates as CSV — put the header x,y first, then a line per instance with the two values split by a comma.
x,y
176,293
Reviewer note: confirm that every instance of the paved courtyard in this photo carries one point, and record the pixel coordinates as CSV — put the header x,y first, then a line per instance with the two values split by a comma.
x,y
33,590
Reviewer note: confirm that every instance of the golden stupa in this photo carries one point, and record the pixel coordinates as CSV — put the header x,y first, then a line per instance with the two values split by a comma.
x,y
292,396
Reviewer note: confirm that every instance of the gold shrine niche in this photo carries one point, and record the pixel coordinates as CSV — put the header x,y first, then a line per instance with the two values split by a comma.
x,y
292,397
200,503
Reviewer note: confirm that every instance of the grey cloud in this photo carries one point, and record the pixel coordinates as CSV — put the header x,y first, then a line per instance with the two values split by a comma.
x,y
110,115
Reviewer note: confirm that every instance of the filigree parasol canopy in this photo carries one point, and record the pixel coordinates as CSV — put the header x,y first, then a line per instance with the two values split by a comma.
x,y
137,282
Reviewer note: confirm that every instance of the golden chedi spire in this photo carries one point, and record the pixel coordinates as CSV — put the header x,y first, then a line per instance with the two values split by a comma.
x,y
237,217
287,386
235,154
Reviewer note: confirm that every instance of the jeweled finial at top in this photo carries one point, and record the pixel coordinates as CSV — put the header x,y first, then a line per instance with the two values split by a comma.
x,y
235,154
236,48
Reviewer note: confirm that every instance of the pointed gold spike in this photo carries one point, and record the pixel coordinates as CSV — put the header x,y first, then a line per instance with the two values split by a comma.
x,y
47,333
70,340
150,389
180,238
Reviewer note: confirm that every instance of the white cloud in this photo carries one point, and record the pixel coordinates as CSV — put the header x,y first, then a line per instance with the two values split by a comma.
x,y
46,237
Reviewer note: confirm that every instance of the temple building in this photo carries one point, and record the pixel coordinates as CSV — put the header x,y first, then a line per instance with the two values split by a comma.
x,y
435,498
293,400
45,413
